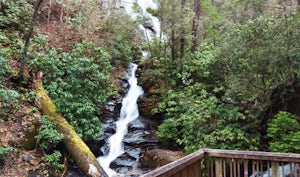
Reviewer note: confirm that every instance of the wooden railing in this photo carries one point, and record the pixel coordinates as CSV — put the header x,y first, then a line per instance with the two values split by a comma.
x,y
229,163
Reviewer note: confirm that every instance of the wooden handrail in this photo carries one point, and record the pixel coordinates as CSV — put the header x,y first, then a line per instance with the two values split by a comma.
x,y
253,155
181,163
181,166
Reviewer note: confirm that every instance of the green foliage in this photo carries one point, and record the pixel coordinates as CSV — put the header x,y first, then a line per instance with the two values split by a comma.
x,y
198,119
8,97
79,84
4,67
8,100
48,136
15,14
284,132
4,151
53,160
122,39
198,66
264,53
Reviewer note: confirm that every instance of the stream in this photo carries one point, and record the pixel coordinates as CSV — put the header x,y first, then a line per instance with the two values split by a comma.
x,y
129,112
126,136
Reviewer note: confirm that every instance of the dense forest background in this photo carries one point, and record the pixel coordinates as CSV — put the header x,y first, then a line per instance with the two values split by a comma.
x,y
223,74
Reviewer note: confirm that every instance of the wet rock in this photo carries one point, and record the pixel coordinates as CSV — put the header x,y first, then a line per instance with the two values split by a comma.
x,y
104,149
149,25
158,157
123,161
136,125
74,171
135,153
140,136
109,127
27,158
128,163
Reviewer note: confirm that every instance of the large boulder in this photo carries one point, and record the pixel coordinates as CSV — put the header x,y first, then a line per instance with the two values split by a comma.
x,y
158,157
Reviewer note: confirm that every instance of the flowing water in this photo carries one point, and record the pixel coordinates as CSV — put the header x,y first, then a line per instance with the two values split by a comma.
x,y
137,9
129,112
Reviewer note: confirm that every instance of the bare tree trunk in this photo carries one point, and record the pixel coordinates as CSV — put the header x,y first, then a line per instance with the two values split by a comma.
x,y
80,152
27,40
61,12
195,28
182,35
49,12
173,43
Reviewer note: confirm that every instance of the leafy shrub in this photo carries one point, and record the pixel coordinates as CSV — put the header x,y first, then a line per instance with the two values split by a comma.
x,y
284,132
4,151
48,136
79,84
197,119
8,98
53,160
4,67
122,39
15,14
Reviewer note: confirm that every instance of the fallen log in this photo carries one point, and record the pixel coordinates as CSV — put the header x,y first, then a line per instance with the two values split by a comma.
x,y
80,152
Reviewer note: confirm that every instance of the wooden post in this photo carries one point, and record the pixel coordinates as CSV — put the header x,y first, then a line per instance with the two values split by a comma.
x,y
275,169
219,167
245,167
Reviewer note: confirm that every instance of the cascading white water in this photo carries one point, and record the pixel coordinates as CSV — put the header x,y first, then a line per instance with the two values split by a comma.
x,y
152,20
129,112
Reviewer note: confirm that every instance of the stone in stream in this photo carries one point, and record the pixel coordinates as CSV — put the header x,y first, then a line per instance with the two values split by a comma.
x,y
158,157
140,137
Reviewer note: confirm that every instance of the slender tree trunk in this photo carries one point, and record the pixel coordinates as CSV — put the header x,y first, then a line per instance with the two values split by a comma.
x,y
61,12
80,152
173,43
49,11
182,35
195,27
27,40
173,33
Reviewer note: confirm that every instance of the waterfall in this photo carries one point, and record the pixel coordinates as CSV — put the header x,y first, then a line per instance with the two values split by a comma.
x,y
151,24
129,112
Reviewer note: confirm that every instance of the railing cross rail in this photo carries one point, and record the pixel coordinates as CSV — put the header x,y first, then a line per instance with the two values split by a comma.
x,y
231,163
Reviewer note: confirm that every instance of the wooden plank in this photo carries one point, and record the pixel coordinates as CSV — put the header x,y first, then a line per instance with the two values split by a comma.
x,y
255,155
190,170
224,167
174,167
178,165
275,169
219,167
183,173
246,174
239,168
